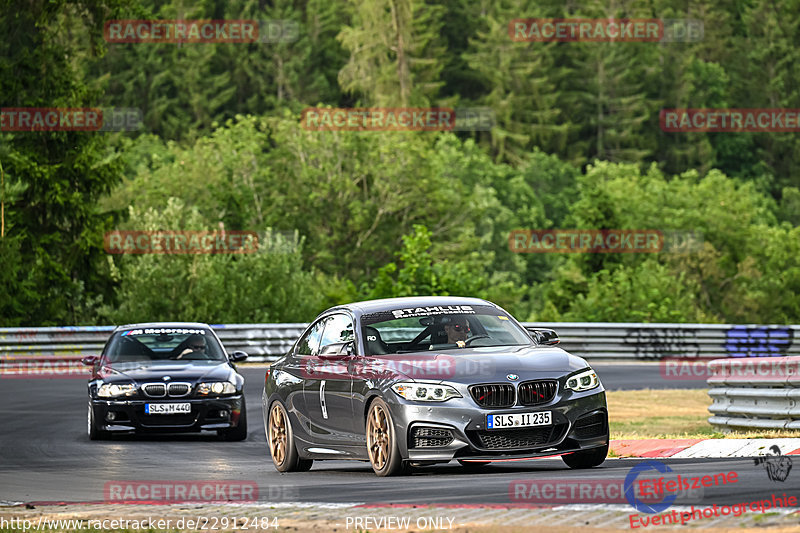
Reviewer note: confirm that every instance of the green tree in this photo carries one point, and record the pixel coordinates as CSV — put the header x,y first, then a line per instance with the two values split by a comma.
x,y
420,275
53,227
521,80
270,285
395,52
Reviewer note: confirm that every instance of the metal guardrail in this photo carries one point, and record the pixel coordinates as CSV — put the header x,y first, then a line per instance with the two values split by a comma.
x,y
263,342
759,393
635,341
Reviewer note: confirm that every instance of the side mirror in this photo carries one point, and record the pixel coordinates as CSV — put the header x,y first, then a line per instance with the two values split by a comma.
x,y
90,360
238,356
337,349
545,337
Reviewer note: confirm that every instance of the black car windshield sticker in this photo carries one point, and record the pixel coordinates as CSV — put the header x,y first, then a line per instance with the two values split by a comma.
x,y
153,331
424,311
432,310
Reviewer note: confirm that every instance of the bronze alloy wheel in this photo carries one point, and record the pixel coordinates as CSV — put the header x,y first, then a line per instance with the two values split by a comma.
x,y
280,438
277,434
378,437
384,454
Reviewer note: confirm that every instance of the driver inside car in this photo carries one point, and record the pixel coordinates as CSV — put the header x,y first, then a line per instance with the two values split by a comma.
x,y
195,343
457,331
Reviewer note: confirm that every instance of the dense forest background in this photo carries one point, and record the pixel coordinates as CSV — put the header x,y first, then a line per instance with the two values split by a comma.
x,y
354,215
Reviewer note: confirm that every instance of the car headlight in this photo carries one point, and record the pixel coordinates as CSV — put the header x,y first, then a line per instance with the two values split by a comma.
x,y
113,390
216,387
425,392
582,381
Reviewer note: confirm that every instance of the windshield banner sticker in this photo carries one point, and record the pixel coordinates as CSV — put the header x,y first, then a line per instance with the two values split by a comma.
x,y
432,310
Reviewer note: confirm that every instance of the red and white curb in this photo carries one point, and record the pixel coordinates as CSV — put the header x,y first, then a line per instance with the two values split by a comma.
x,y
703,448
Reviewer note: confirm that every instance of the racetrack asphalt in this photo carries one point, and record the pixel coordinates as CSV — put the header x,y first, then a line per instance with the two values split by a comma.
x,y
46,456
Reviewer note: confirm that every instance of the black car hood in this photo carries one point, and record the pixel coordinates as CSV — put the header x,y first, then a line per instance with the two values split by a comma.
x,y
177,371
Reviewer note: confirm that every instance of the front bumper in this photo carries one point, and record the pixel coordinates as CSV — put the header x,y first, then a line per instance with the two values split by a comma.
x,y
206,414
458,430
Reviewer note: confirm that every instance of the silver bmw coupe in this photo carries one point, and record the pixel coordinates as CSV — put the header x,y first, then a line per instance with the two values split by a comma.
x,y
407,382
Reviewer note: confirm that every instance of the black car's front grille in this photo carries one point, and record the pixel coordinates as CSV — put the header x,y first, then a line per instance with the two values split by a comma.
x,y
537,392
155,390
593,425
428,437
506,439
161,390
179,389
493,394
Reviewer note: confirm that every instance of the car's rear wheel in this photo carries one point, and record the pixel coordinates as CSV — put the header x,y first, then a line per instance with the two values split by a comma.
x,y
240,431
384,453
282,448
586,458
92,429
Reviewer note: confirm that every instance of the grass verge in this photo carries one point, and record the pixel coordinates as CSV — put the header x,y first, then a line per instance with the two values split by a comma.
x,y
671,414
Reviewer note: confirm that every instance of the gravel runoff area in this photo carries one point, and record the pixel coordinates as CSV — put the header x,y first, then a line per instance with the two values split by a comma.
x,y
311,517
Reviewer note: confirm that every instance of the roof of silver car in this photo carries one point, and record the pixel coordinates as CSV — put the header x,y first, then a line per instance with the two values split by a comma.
x,y
386,304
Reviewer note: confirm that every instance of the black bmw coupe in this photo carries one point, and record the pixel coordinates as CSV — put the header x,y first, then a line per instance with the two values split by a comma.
x,y
166,377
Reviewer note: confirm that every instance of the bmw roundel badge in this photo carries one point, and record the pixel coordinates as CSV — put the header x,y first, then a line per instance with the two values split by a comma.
x,y
512,377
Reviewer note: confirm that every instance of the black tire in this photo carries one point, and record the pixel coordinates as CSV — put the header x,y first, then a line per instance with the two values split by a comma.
x,y
280,439
238,433
587,458
382,446
92,429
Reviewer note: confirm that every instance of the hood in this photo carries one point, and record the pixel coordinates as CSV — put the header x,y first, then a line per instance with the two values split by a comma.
x,y
475,365
156,370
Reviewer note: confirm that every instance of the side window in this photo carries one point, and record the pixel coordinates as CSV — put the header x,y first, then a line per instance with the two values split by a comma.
x,y
338,328
309,345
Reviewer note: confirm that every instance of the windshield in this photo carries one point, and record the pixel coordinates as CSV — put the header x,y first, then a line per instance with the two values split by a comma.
x,y
444,327
159,344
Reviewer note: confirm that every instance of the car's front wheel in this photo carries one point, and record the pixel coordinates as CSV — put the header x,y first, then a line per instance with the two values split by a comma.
x,y
281,442
94,432
586,458
384,453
